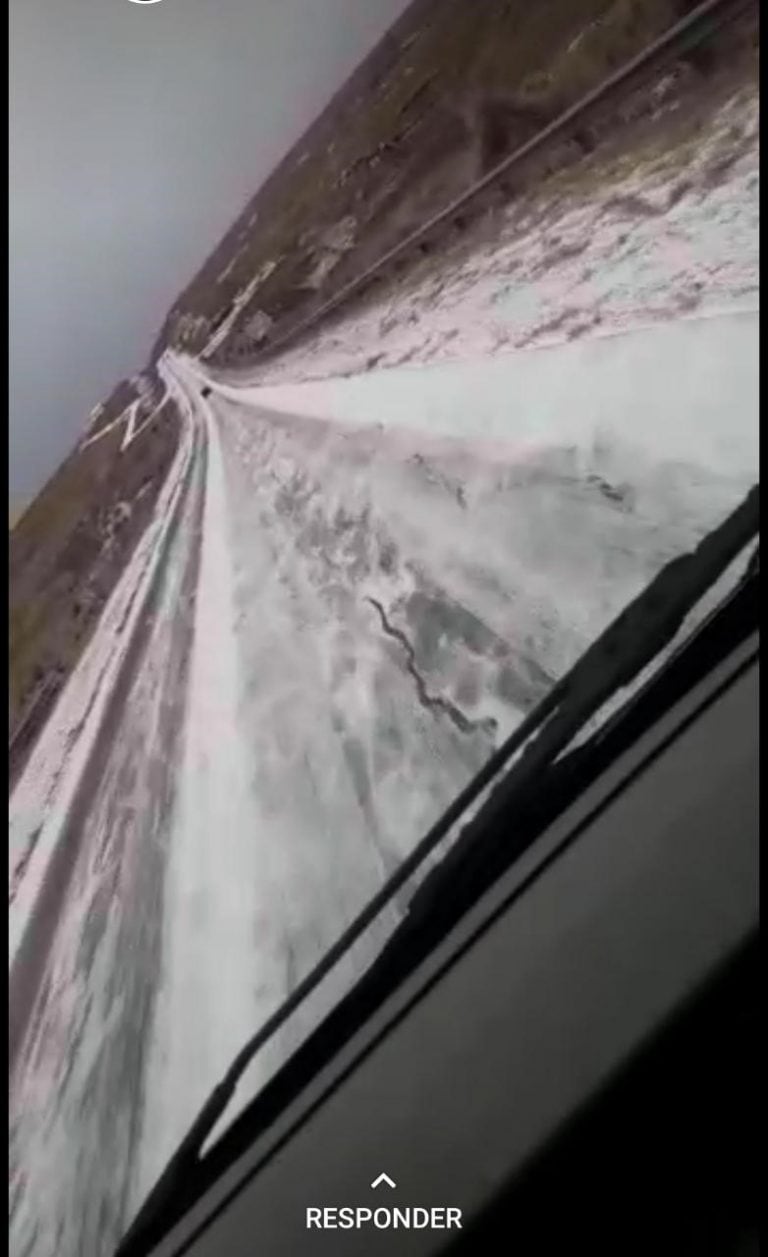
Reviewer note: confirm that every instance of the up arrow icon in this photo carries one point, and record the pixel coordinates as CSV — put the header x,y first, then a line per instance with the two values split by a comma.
x,y
383,1178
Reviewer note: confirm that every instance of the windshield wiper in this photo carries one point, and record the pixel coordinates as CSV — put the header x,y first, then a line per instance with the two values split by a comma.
x,y
630,643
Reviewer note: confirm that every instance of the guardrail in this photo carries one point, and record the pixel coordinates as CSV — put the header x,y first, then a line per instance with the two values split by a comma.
x,y
691,30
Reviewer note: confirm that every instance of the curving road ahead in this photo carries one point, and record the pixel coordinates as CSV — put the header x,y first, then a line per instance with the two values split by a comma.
x,y
350,593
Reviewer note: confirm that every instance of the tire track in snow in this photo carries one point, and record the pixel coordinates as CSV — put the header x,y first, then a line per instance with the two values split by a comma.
x,y
78,1082
210,904
29,963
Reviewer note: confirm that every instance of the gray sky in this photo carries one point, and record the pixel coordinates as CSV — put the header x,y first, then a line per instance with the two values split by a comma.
x,y
138,132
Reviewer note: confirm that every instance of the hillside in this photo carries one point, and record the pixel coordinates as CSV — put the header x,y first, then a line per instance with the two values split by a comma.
x,y
447,93
450,89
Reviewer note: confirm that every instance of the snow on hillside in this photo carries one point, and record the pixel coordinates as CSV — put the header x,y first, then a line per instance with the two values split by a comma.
x,y
650,237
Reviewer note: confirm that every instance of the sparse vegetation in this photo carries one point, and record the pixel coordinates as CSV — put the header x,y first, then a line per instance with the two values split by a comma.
x,y
452,88
66,553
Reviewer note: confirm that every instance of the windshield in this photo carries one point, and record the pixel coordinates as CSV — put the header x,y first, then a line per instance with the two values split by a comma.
x,y
329,585
689,593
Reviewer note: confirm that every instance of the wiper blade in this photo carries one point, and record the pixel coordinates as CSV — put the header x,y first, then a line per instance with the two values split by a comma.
x,y
629,644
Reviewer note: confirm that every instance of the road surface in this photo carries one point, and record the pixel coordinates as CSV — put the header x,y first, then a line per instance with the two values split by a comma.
x,y
349,595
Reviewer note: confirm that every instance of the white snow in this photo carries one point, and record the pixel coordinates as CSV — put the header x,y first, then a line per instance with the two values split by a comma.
x,y
77,1087
254,863
130,425
394,566
466,499
42,797
125,417
138,428
240,302
213,866
130,417
677,390
549,421
649,238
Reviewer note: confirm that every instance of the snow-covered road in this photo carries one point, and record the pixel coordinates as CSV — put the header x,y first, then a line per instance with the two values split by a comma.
x,y
352,589
394,569
86,918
